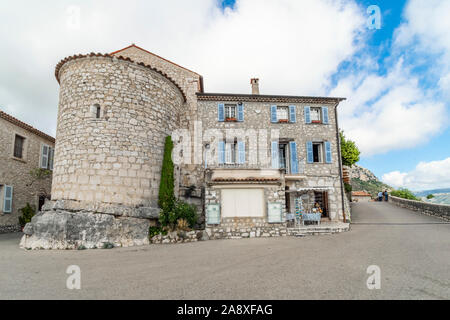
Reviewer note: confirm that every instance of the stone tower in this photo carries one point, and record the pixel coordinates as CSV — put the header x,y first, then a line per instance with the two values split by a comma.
x,y
113,116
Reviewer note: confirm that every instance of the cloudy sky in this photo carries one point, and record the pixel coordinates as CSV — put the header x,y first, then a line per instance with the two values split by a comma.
x,y
396,77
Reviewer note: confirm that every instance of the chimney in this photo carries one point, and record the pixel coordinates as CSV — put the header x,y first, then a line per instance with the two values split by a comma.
x,y
255,85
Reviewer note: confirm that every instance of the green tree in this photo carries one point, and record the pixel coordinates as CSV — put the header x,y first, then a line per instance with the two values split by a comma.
x,y
166,197
430,196
349,151
404,193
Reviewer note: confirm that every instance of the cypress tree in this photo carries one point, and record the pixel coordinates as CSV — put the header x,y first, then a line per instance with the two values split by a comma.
x,y
166,197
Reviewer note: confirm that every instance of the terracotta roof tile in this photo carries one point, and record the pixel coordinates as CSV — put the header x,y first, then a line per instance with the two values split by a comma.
x,y
265,98
250,179
25,126
361,194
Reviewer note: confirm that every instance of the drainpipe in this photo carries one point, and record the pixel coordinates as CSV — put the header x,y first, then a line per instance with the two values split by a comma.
x,y
340,161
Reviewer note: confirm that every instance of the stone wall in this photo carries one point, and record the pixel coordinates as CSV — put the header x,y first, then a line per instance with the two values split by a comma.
x,y
432,209
190,174
116,158
16,172
256,117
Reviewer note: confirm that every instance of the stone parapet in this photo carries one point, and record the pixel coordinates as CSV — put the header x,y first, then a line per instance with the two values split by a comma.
x,y
431,209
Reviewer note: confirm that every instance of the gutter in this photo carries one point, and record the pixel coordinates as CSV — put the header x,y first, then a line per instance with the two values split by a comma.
x,y
340,162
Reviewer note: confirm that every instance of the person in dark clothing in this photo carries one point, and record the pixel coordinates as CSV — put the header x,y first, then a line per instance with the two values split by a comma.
x,y
386,195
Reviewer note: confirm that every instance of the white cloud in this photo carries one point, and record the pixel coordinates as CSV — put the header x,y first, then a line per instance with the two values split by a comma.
x,y
394,111
292,46
390,112
426,175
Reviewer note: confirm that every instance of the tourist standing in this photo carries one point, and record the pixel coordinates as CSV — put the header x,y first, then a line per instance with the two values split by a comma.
x,y
385,195
380,196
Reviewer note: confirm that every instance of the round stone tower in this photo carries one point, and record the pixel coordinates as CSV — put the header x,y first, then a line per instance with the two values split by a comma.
x,y
113,117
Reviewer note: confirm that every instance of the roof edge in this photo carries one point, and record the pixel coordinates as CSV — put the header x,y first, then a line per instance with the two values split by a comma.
x,y
23,125
264,97
106,55
137,47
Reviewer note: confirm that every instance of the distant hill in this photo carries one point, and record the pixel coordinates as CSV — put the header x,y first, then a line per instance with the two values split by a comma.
x,y
441,196
363,179
434,191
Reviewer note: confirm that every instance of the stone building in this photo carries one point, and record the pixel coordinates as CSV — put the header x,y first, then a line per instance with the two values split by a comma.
x,y
246,161
22,149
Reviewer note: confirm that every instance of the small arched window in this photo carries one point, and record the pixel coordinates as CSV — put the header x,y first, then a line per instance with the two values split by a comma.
x,y
97,111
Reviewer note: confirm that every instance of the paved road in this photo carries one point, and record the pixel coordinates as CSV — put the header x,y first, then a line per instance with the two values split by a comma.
x,y
412,250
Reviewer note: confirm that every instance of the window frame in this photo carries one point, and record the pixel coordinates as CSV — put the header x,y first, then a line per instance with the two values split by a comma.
x,y
230,152
22,147
228,114
283,120
319,111
320,151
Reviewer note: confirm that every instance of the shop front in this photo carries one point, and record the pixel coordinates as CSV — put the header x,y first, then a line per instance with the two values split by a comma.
x,y
307,206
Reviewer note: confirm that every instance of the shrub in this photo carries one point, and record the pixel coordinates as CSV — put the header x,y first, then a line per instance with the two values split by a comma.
x,y
182,225
430,196
108,245
404,193
153,231
180,210
27,213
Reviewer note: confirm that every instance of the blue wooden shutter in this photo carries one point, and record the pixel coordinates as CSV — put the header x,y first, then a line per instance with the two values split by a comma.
x,y
44,156
51,158
273,114
294,160
241,152
221,152
213,213
328,151
275,158
292,114
309,152
7,199
325,115
240,113
307,114
221,112
274,213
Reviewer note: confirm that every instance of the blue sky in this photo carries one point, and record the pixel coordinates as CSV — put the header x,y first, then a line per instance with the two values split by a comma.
x,y
406,159
396,79
395,163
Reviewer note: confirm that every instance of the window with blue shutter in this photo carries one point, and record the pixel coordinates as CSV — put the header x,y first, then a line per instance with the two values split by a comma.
x,y
221,152
275,159
274,213
221,112
213,213
44,156
241,152
292,114
273,114
240,112
307,114
309,152
7,199
294,160
328,151
325,115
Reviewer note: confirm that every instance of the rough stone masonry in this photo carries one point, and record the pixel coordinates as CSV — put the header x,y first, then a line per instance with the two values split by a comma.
x,y
114,113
